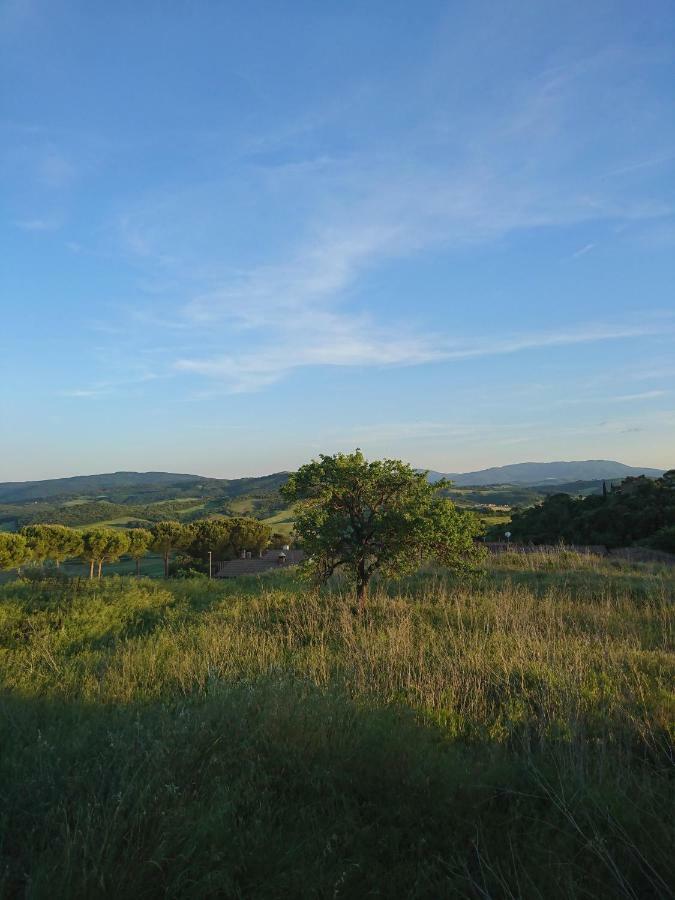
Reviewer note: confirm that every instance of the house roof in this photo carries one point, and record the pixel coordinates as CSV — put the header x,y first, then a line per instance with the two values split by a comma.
x,y
255,566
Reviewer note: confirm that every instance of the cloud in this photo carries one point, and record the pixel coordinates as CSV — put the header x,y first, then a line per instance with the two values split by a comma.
x,y
641,164
37,224
102,388
583,251
645,395
339,342
271,251
85,392
345,344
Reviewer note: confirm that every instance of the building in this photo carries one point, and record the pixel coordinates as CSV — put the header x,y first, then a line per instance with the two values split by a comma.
x,y
250,565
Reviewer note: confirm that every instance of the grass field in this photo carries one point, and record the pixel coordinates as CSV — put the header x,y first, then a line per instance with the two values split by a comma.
x,y
511,737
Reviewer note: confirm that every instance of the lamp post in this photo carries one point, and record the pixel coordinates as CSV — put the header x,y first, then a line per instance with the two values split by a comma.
x,y
507,535
209,564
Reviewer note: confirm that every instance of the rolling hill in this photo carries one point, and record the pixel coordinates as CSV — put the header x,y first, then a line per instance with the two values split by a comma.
x,y
536,473
129,486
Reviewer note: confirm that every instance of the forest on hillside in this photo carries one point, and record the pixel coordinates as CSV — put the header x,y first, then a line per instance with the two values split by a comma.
x,y
637,511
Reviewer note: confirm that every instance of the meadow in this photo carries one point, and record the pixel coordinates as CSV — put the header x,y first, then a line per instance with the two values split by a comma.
x,y
509,736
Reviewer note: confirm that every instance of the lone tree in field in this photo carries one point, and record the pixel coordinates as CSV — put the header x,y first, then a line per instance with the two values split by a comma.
x,y
367,517
139,544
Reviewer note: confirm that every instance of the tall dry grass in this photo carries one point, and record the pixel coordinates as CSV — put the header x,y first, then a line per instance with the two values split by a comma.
x,y
510,737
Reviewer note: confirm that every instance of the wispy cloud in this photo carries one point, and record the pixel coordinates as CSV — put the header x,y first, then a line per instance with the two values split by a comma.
x,y
85,393
645,395
582,251
38,224
641,164
346,344
103,388
459,178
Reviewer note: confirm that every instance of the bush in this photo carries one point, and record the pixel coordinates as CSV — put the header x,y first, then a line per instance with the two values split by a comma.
x,y
663,539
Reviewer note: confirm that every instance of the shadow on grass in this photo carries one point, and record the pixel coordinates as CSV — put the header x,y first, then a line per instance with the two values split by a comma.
x,y
275,789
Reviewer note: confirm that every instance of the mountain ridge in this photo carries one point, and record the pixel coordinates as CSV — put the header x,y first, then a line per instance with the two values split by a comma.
x,y
541,473
526,473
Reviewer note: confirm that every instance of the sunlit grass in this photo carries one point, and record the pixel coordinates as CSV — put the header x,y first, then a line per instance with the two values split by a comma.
x,y
506,737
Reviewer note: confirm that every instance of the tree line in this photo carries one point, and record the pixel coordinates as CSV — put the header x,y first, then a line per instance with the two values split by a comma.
x,y
96,547
354,517
636,511
80,514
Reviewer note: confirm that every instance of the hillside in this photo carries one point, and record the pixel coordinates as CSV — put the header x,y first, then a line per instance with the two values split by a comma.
x,y
535,473
133,486
140,498
505,737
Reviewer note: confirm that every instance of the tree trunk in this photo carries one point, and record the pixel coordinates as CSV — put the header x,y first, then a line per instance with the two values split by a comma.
x,y
166,565
138,567
361,586
100,566
91,569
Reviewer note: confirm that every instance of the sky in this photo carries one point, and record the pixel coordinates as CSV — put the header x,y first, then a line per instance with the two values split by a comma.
x,y
237,235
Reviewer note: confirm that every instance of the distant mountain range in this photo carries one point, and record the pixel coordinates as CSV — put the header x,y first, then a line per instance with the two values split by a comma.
x,y
137,484
532,473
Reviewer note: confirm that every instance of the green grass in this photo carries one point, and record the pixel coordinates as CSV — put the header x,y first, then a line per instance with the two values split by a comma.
x,y
511,737
119,522
494,519
242,506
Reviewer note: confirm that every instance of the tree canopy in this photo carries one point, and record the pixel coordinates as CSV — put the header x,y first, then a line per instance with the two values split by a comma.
x,y
13,550
139,544
639,510
167,537
365,517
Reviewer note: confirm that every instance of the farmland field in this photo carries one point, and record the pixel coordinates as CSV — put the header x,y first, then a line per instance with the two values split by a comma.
x,y
511,736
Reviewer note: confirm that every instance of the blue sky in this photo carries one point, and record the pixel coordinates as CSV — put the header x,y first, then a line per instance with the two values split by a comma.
x,y
235,235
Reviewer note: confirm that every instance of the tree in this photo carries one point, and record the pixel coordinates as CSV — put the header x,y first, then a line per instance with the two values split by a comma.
x,y
248,534
212,535
663,539
139,544
166,538
55,542
116,544
64,543
367,517
39,542
636,510
13,550
94,543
